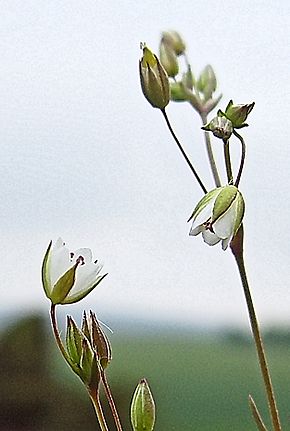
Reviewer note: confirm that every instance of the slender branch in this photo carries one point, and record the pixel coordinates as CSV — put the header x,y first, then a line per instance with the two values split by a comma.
x,y
228,161
256,414
111,402
94,396
210,152
243,155
237,249
183,152
57,336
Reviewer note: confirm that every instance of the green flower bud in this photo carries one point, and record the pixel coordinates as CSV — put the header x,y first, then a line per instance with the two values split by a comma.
x,y
174,39
218,215
142,408
207,82
221,127
168,59
177,92
237,114
154,79
67,277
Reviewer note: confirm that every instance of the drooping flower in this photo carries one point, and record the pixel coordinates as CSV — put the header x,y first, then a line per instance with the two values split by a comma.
x,y
237,114
67,276
218,215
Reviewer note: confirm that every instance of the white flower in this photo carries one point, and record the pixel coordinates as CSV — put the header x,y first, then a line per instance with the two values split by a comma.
x,y
218,215
67,276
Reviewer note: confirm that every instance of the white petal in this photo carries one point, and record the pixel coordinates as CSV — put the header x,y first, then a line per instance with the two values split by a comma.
x,y
86,253
224,225
195,231
210,238
86,276
204,214
59,261
225,242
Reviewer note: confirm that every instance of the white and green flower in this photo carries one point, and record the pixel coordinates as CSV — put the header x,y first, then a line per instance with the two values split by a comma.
x,y
218,215
68,276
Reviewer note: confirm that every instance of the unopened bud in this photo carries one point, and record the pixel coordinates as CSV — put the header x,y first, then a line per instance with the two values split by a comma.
x,y
177,92
207,82
174,39
154,79
168,59
221,127
142,408
237,114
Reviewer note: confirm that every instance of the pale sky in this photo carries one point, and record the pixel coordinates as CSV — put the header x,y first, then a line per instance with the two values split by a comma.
x,y
85,157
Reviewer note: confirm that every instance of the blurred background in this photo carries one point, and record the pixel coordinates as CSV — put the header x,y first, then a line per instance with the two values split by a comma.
x,y
85,157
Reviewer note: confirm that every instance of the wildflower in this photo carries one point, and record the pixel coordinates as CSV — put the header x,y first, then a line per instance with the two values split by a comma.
x,y
68,277
237,114
218,215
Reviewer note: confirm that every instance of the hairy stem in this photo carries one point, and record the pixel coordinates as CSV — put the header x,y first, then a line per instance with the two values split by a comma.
x,y
210,153
183,152
111,402
237,249
243,155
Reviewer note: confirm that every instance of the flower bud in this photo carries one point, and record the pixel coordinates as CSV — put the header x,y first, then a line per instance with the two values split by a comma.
x,y
218,215
221,127
168,59
174,39
100,342
207,82
188,78
154,79
177,93
142,408
237,114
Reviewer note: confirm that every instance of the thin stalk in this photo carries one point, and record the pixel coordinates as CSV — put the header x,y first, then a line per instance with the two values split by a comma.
x,y
256,414
183,152
237,249
210,152
111,402
228,163
94,396
57,336
243,155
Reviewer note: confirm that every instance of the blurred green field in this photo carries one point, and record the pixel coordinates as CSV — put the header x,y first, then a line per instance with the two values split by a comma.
x,y
199,382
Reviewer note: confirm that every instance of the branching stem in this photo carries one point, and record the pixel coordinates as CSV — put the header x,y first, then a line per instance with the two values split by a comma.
x,y
210,152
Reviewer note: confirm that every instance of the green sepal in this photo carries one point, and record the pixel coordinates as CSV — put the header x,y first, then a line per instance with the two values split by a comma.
x,y
86,361
223,201
63,286
82,293
204,202
240,211
95,374
44,272
74,339
100,342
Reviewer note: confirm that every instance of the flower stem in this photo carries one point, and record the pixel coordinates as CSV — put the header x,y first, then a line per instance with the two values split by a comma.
x,y
237,249
210,152
94,396
228,161
183,152
111,402
57,336
237,182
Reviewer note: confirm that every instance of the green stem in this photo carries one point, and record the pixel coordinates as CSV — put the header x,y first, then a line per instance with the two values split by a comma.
x,y
237,249
111,402
94,396
210,152
57,336
237,182
183,152
228,163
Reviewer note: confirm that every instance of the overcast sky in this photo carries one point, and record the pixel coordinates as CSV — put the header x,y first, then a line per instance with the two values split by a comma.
x,y
85,157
